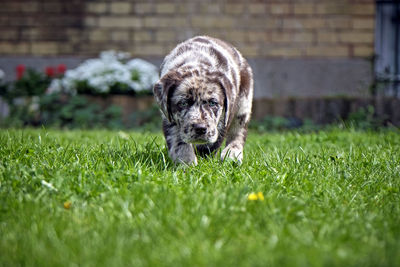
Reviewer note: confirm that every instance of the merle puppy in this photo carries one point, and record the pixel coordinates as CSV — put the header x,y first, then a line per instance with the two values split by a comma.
x,y
205,94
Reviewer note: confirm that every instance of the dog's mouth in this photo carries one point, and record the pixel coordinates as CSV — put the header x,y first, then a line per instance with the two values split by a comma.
x,y
200,139
199,142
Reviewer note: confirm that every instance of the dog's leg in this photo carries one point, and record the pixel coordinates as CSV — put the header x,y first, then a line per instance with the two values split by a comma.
x,y
236,137
237,132
179,151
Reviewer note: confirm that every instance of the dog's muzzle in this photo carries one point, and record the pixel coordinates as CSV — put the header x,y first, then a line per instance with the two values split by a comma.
x,y
199,129
198,133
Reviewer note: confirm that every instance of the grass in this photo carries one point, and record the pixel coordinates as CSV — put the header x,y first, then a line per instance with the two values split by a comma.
x,y
103,198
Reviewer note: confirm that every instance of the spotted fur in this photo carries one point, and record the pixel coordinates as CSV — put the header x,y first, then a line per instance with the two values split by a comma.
x,y
205,94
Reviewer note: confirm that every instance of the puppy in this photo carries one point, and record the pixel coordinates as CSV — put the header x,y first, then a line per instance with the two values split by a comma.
x,y
205,94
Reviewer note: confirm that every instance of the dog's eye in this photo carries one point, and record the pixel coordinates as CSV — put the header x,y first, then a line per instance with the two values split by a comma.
x,y
213,103
183,104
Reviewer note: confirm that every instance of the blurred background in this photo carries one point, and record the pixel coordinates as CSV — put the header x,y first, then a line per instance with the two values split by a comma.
x,y
91,63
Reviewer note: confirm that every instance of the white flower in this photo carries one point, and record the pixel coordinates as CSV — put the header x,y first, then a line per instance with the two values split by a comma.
x,y
54,87
146,73
2,75
101,74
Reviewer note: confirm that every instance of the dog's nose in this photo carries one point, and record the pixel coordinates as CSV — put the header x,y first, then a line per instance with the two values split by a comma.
x,y
199,129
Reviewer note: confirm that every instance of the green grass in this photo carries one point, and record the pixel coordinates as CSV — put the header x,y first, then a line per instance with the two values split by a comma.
x,y
330,199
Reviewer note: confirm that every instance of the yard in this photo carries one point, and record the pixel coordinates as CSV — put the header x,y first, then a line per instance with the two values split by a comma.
x,y
109,198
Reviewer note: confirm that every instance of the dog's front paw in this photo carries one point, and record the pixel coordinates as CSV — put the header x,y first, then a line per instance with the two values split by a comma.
x,y
232,153
183,154
187,161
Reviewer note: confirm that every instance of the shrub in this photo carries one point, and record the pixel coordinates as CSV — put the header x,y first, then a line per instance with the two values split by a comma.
x,y
33,83
149,119
364,118
77,112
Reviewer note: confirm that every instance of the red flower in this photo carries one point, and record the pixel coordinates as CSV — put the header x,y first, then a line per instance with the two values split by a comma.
x,y
61,68
20,69
50,71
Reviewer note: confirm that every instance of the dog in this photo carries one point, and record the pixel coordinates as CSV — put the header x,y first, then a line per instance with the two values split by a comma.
x,y
205,94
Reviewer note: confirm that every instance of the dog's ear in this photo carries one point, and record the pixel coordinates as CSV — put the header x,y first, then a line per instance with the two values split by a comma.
x,y
227,91
163,91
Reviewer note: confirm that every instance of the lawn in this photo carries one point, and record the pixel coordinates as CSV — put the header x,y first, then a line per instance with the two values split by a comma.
x,y
109,198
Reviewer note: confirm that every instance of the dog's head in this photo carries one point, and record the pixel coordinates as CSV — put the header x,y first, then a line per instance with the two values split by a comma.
x,y
196,102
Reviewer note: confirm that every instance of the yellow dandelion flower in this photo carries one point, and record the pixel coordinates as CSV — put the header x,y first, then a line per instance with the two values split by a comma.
x,y
67,205
252,196
256,196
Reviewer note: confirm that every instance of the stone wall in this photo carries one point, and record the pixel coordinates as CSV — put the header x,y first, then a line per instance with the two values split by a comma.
x,y
284,28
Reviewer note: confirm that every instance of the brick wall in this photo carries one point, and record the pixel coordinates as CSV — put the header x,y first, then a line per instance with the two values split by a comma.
x,y
260,29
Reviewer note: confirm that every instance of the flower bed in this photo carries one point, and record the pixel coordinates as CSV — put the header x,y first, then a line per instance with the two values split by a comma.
x,y
103,91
